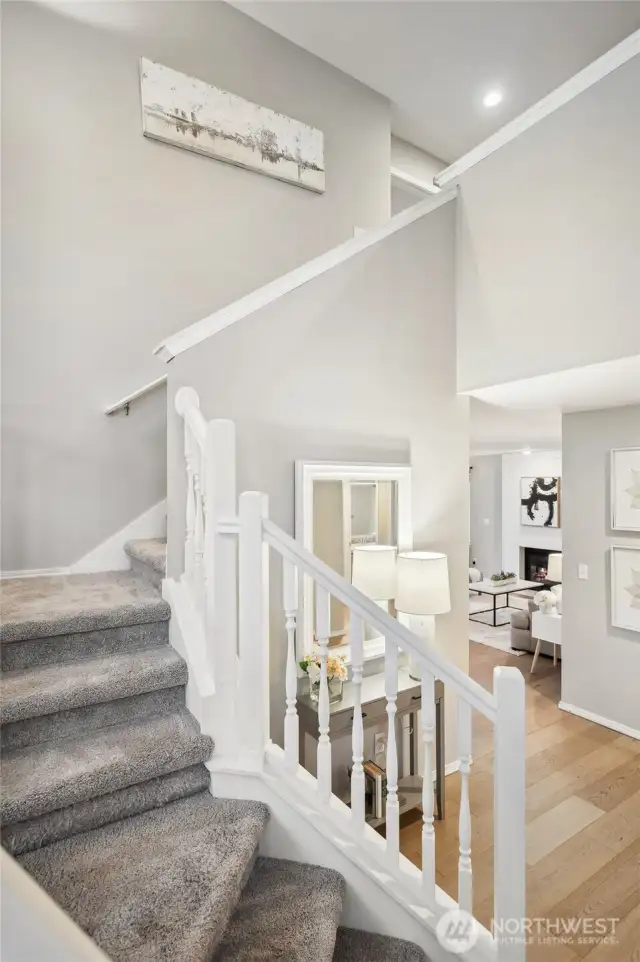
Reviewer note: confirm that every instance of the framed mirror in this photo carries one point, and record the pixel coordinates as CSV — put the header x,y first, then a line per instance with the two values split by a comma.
x,y
338,506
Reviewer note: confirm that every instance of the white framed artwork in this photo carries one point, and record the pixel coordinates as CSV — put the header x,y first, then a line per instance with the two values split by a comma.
x,y
625,587
625,489
192,114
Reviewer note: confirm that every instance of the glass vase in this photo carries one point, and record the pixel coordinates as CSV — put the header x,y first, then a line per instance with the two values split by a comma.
x,y
335,690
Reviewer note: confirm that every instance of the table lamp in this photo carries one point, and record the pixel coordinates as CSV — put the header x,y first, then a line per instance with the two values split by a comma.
x,y
373,572
422,593
554,573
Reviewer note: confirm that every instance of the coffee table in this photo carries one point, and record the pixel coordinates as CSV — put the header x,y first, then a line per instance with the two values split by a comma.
x,y
496,589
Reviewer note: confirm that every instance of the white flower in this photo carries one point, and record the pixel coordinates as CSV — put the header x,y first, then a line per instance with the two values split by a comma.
x,y
314,672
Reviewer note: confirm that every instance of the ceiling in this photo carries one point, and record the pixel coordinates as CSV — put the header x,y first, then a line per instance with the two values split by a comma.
x,y
499,430
435,60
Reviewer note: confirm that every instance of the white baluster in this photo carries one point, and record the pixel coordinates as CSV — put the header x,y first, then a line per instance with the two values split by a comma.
x,y
190,519
323,621
465,884
428,713
198,533
509,832
290,603
393,807
356,637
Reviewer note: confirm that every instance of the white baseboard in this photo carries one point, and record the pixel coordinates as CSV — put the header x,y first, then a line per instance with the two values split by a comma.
x,y
599,720
110,554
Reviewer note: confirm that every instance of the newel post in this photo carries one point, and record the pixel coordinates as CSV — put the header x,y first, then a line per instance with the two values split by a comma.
x,y
509,824
221,580
253,614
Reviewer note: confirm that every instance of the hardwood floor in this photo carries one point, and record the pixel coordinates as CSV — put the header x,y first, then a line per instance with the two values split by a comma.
x,y
583,819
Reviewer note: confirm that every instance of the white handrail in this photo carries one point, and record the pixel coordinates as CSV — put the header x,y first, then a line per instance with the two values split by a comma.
x,y
201,330
477,696
124,403
590,75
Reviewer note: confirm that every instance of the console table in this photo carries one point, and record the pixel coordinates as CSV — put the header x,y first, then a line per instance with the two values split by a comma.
x,y
374,714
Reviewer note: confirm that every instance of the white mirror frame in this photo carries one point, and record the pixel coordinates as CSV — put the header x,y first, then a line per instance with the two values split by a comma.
x,y
309,471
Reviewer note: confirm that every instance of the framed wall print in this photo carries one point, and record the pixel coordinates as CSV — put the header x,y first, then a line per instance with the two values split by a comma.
x,y
625,587
625,489
540,502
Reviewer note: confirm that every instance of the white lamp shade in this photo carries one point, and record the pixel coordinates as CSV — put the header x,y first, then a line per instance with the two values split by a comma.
x,y
554,568
374,570
423,583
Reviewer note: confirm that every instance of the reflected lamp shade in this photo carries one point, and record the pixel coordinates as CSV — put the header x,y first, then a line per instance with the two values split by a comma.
x,y
423,583
554,568
374,570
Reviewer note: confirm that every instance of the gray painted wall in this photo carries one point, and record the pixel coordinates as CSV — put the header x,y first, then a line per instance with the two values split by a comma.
x,y
600,664
486,513
548,242
112,241
356,365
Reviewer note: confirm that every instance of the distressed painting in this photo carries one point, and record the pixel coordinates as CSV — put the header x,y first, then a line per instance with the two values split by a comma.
x,y
625,587
190,113
625,489
540,502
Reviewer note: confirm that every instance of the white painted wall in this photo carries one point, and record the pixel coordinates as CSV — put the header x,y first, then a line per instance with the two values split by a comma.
x,y
112,241
600,663
486,513
356,365
538,464
548,253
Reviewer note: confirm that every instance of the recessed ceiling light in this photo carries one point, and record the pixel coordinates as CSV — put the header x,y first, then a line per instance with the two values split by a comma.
x,y
492,98
526,450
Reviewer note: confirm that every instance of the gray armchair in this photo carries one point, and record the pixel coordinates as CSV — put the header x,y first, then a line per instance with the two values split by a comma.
x,y
521,637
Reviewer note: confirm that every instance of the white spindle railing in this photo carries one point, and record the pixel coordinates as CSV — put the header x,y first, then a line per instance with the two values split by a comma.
x,y
231,591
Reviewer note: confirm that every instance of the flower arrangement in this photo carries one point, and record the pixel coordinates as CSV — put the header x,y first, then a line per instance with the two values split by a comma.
x,y
546,601
504,576
336,675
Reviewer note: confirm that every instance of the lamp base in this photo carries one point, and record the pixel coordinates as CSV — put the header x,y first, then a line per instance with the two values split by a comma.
x,y
424,626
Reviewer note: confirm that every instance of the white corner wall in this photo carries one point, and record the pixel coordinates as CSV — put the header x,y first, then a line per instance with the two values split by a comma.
x,y
538,464
600,663
548,242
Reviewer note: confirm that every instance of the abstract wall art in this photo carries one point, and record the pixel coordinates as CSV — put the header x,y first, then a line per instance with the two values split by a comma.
x,y
625,489
625,587
540,502
192,114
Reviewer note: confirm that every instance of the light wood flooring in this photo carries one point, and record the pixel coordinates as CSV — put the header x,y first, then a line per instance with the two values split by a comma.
x,y
583,818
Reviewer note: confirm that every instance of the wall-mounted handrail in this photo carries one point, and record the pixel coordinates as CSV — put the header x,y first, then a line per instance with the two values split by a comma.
x,y
124,403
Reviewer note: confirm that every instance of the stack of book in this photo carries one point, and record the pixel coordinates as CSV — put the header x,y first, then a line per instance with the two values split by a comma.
x,y
375,786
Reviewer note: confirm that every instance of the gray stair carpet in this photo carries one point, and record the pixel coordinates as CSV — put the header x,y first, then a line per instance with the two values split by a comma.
x,y
83,816
62,618
157,886
55,774
288,910
56,688
352,945
148,558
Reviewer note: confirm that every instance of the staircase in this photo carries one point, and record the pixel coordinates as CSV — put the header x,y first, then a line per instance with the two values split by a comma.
x,y
106,799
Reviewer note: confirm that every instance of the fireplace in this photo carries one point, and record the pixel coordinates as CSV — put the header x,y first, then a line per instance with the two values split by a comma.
x,y
534,566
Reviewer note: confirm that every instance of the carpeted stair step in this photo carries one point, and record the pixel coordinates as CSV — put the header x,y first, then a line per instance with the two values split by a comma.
x,y
56,774
54,689
352,945
77,721
83,816
161,885
64,618
148,558
288,910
